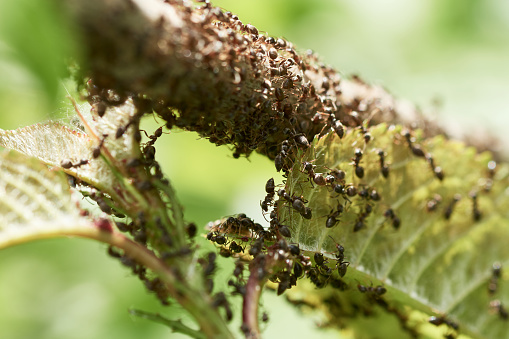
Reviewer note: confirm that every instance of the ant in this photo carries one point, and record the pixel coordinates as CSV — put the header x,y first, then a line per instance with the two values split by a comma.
x,y
359,170
396,222
437,170
68,164
416,149
502,312
341,264
450,207
432,204
362,217
384,169
270,190
373,292
298,203
496,274
437,321
476,214
331,218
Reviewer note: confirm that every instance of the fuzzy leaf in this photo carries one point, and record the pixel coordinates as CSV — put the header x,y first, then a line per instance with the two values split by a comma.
x,y
54,143
434,263
35,202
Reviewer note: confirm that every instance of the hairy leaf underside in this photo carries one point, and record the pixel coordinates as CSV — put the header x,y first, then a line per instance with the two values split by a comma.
x,y
450,234
35,202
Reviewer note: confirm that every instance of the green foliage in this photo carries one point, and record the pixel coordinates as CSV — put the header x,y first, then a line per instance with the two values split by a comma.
x,y
443,262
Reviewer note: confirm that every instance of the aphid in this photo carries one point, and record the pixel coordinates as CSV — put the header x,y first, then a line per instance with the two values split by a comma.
x,y
265,317
450,207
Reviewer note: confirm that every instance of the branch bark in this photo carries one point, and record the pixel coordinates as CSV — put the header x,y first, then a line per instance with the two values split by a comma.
x,y
226,81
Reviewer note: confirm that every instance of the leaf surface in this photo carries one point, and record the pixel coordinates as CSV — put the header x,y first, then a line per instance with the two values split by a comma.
x,y
35,202
441,264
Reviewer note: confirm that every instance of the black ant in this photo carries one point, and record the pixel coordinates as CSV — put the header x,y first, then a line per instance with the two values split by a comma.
x,y
359,170
437,321
450,207
384,169
331,218
362,217
68,164
496,274
341,264
416,149
269,189
298,203
476,214
501,310
396,222
374,292
437,170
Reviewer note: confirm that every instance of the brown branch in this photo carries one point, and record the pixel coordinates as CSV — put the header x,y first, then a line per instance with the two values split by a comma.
x,y
227,81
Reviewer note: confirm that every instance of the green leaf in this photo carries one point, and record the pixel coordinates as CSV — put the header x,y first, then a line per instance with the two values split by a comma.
x,y
55,143
435,264
35,202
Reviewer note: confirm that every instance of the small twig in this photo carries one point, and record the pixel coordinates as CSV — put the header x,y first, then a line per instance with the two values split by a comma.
x,y
250,305
175,325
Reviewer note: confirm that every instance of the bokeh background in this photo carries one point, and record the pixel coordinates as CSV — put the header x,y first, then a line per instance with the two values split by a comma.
x,y
448,57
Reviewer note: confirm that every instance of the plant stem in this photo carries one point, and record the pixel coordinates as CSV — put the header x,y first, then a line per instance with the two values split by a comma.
x,y
175,325
197,303
250,305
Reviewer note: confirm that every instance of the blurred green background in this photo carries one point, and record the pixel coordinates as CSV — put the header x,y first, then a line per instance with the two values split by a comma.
x,y
449,57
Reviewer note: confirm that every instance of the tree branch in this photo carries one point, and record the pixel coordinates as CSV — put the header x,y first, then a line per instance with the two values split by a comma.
x,y
228,82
